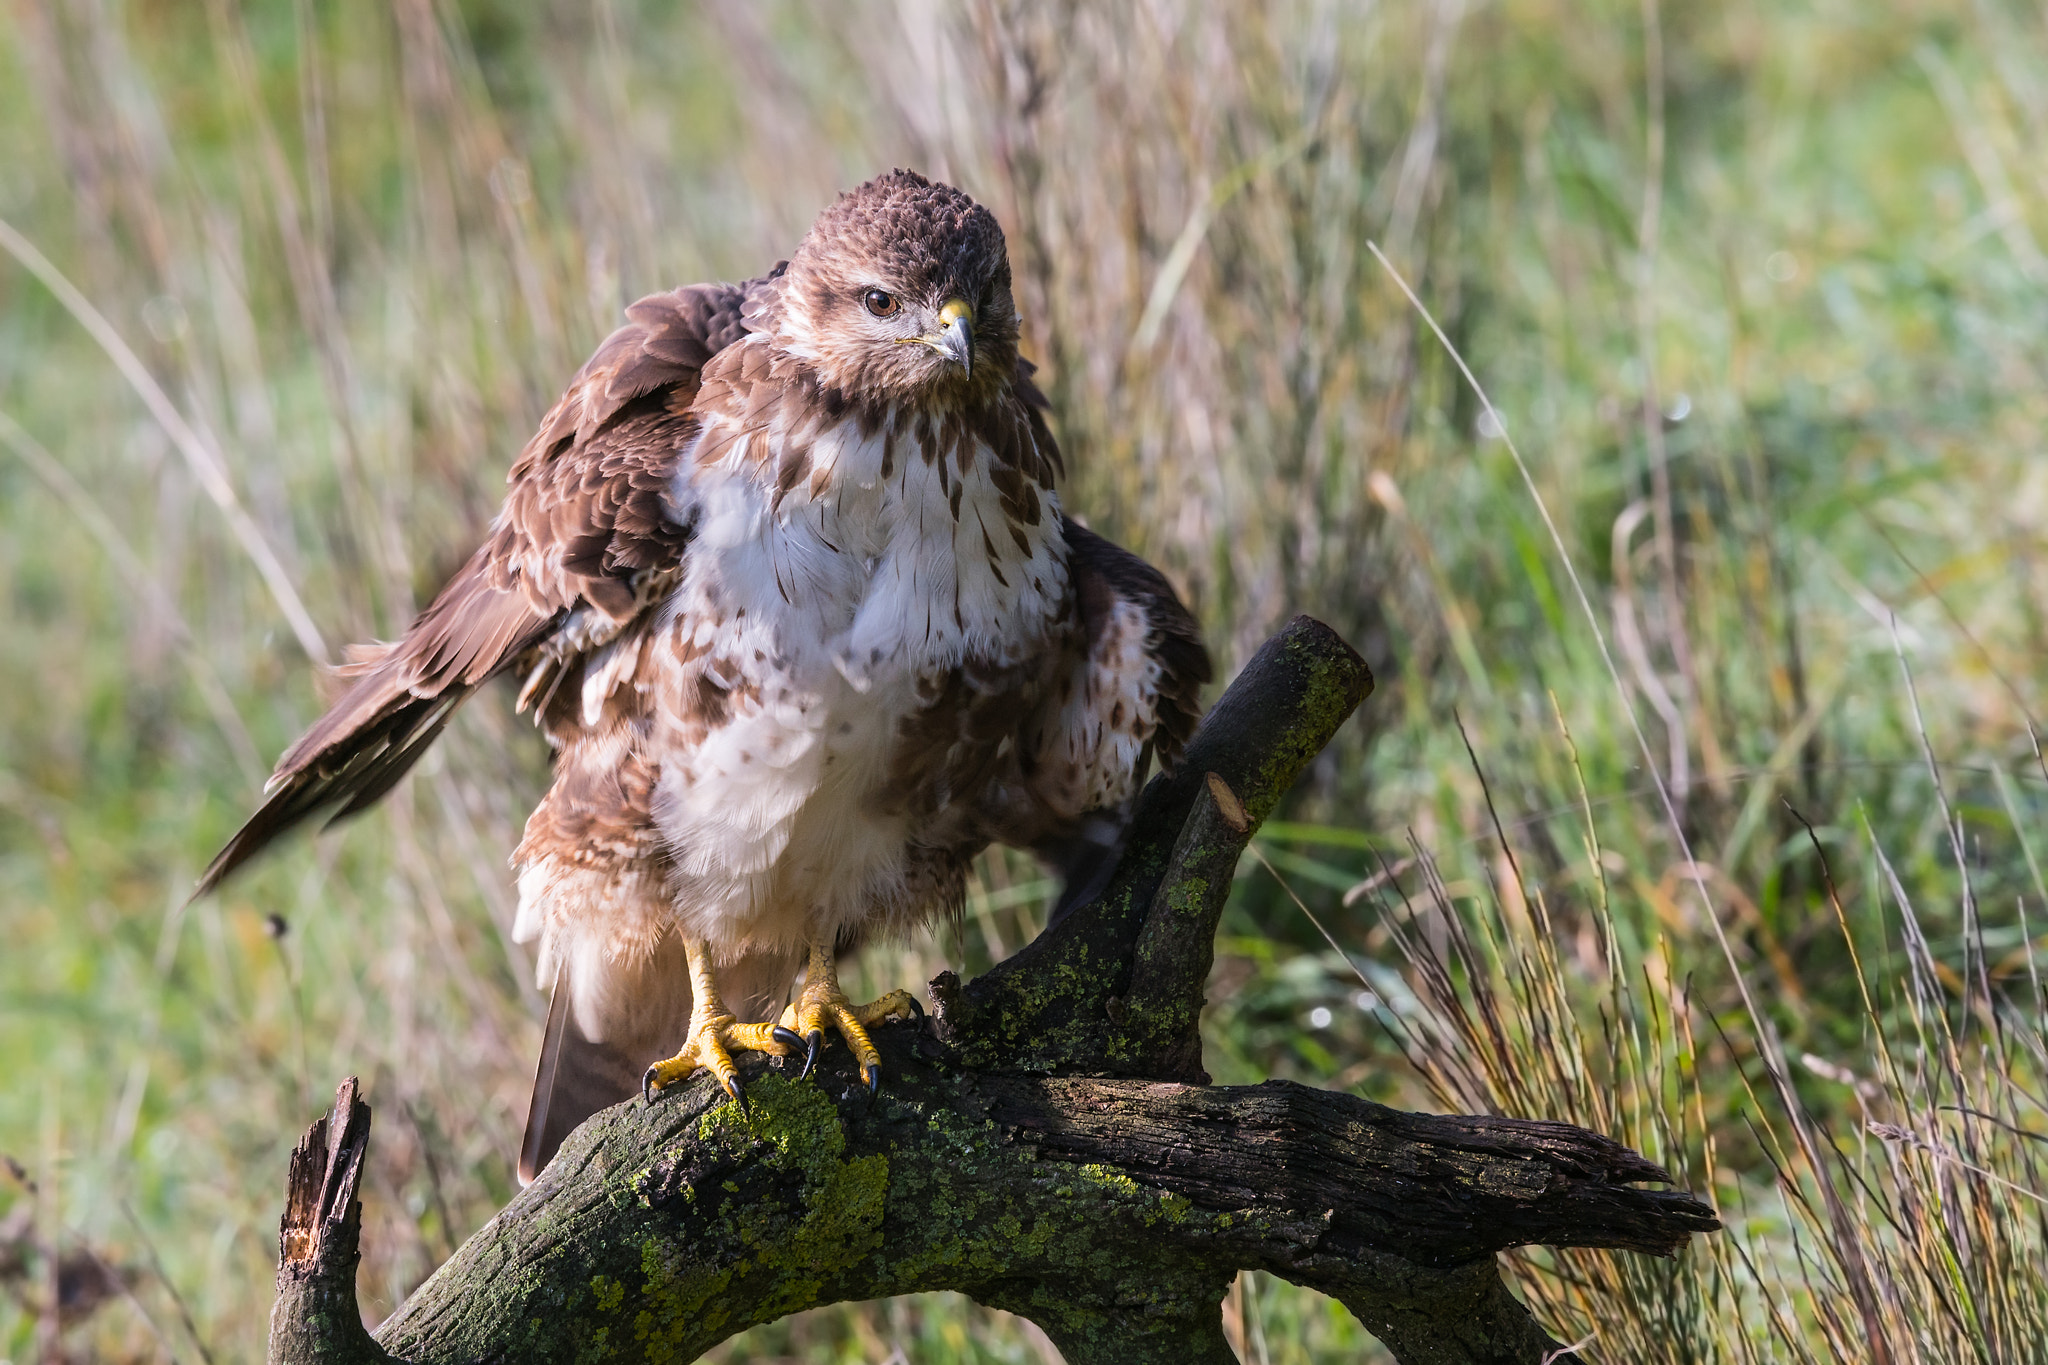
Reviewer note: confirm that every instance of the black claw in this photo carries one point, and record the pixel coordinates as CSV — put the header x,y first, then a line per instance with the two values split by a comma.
x,y
917,1009
739,1096
874,1079
788,1037
811,1055
647,1091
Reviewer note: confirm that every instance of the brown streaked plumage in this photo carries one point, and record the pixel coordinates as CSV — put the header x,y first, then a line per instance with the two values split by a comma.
x,y
786,581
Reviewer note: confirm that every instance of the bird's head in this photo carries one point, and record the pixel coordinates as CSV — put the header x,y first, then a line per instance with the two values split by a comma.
x,y
900,293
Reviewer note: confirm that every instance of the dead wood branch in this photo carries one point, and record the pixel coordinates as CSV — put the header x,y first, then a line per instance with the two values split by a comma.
x,y
1048,1144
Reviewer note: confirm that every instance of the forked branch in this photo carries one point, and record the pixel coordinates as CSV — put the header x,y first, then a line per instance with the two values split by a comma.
x,y
1047,1145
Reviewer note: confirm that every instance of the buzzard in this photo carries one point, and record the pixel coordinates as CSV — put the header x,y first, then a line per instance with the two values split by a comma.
x,y
788,588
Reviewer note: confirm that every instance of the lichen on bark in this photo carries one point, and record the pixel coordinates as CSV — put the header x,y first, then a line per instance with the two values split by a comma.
x,y
1047,1144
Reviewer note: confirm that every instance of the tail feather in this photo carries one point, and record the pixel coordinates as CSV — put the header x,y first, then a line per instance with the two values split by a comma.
x,y
576,1075
609,1020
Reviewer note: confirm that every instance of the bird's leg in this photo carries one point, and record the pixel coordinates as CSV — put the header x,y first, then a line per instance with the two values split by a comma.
x,y
713,1034
821,1002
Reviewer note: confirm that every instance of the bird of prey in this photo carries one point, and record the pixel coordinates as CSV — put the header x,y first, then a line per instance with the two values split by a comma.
x,y
788,587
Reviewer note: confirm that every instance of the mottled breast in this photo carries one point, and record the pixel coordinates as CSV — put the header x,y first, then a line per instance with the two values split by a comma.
x,y
858,633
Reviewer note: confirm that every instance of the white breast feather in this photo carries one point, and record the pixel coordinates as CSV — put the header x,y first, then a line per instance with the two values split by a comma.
x,y
827,609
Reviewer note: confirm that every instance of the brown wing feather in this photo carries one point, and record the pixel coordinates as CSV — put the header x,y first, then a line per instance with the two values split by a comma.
x,y
1105,573
587,514
1110,586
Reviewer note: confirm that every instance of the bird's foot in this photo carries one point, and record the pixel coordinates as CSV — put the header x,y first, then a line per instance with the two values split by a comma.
x,y
823,1004
713,1040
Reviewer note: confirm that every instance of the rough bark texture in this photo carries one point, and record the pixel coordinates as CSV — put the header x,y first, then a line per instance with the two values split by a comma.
x,y
318,1241
1048,1144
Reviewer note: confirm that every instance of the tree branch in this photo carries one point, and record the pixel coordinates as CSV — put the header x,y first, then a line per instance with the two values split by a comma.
x,y
1034,1147
1048,1006
315,1316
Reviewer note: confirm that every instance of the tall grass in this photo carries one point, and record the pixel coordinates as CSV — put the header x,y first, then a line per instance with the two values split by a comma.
x,y
1756,288
1902,1225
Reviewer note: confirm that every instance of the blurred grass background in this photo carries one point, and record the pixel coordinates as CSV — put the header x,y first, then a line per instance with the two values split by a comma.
x,y
1757,289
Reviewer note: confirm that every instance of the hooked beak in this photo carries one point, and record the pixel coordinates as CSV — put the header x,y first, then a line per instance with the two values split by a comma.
x,y
956,339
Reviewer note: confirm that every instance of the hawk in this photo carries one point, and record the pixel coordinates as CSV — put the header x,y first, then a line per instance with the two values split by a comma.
x,y
787,585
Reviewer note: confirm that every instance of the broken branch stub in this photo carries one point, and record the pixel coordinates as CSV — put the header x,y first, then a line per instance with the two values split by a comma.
x,y
1035,1147
315,1316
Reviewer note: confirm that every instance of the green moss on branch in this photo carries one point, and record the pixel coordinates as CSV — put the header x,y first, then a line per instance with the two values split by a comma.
x,y
1112,1212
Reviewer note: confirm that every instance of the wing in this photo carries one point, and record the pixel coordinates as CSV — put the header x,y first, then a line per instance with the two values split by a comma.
x,y
1132,694
587,538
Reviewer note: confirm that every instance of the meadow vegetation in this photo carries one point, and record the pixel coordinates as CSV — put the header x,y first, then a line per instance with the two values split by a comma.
x,y
1701,802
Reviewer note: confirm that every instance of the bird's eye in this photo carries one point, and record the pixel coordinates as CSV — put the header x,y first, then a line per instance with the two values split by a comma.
x,y
880,303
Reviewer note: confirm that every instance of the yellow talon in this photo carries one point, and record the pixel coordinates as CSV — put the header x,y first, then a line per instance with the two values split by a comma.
x,y
821,1001
714,1035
